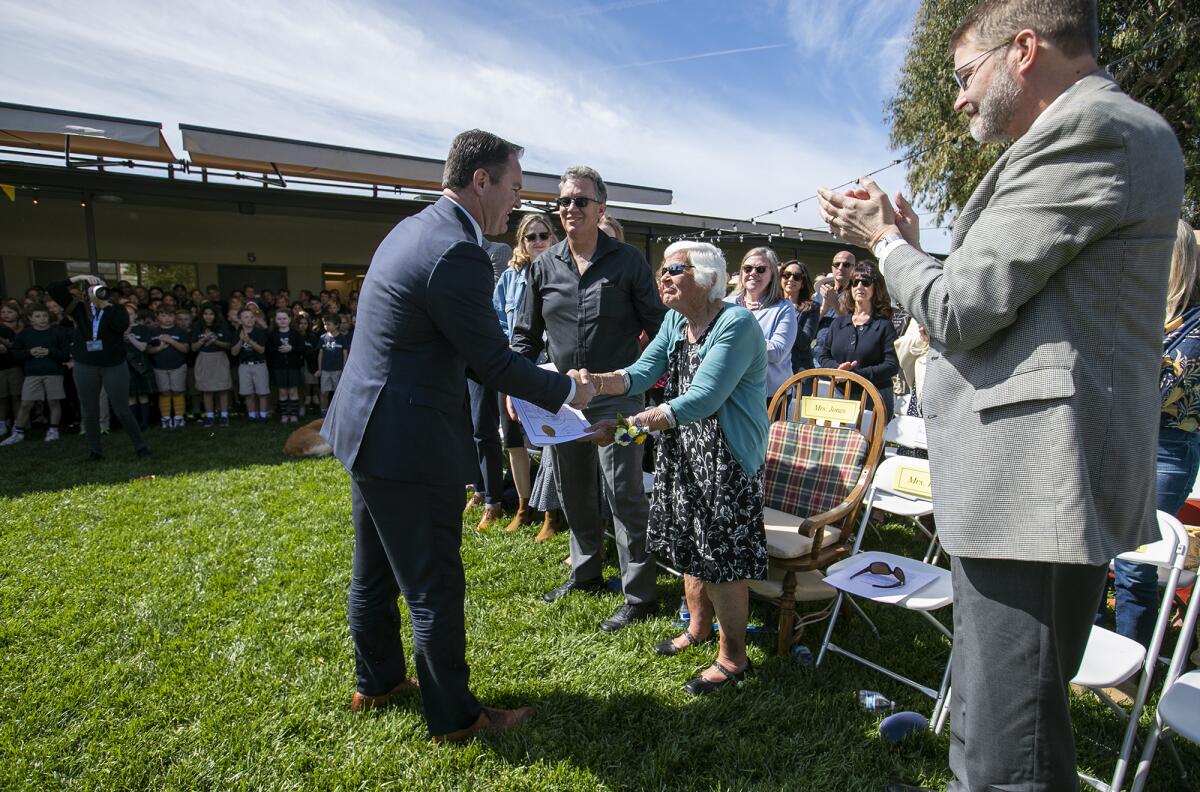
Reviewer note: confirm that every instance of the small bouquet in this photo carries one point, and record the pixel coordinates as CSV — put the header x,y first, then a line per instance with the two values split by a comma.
x,y
627,433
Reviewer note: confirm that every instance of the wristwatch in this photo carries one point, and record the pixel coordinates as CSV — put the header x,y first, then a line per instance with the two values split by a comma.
x,y
884,242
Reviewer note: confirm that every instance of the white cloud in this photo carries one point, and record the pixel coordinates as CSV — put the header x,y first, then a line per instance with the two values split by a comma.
x,y
406,80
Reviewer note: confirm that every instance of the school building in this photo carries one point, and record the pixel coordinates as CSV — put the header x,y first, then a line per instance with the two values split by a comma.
x,y
89,193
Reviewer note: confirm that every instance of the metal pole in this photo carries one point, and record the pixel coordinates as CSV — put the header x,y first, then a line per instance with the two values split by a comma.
x,y
89,224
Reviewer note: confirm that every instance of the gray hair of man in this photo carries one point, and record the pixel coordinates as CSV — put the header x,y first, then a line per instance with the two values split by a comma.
x,y
708,265
1070,25
581,172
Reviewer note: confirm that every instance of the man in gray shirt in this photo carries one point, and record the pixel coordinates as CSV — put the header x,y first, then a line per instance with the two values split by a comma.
x,y
592,296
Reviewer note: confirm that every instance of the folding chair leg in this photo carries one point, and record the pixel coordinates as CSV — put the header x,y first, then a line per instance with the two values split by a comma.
x,y
944,715
940,707
864,616
833,617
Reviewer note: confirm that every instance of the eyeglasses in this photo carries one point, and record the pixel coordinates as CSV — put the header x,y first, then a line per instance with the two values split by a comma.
x,y
748,268
791,275
964,81
881,568
864,282
580,201
842,264
540,236
675,270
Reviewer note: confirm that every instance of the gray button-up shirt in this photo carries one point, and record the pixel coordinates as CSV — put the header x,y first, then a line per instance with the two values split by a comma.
x,y
591,321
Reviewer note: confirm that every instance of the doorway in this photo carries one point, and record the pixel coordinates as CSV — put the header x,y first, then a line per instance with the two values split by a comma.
x,y
343,277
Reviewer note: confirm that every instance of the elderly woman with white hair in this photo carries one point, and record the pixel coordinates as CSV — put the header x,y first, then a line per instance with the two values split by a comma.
x,y
706,515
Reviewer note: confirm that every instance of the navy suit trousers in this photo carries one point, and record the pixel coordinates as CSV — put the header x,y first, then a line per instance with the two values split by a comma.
x,y
406,540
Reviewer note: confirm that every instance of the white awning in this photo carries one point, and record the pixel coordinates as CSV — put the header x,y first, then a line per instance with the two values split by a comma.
x,y
240,151
44,129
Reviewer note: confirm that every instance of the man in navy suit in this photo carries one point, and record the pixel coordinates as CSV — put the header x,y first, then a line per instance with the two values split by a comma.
x,y
400,424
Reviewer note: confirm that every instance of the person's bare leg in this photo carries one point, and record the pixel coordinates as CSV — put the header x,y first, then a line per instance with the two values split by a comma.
x,y
518,462
732,603
55,412
700,608
208,401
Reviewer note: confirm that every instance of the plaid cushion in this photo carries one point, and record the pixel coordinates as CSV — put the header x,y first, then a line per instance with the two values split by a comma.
x,y
810,468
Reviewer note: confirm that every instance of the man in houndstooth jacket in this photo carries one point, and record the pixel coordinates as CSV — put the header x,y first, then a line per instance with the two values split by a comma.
x,y
1041,400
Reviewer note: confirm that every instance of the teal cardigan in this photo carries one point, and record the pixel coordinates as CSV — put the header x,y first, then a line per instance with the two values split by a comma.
x,y
730,381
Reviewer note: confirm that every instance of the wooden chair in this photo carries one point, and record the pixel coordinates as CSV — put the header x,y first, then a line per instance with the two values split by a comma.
x,y
820,462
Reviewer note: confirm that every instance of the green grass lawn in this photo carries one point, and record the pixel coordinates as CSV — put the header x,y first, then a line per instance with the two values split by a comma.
x,y
180,623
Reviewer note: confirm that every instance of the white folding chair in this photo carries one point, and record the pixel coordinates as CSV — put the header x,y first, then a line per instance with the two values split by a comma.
x,y
901,485
1179,706
1110,659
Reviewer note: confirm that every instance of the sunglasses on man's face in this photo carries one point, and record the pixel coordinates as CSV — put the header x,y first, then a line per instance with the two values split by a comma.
x,y
674,269
580,201
864,282
881,568
842,264
539,236
747,269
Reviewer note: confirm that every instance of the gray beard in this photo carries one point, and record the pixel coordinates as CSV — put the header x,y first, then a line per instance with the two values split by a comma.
x,y
997,108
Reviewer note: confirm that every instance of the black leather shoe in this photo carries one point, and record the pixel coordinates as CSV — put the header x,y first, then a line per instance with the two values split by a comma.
x,y
699,686
594,585
628,614
94,456
668,648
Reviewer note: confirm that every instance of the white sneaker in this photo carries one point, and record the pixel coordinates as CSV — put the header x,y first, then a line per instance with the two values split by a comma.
x,y
166,423
14,438
51,434
178,421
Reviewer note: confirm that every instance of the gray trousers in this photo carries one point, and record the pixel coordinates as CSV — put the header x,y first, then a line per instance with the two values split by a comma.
x,y
576,479
115,382
1020,628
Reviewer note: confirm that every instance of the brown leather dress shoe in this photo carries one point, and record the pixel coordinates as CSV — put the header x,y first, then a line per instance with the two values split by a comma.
x,y
491,516
361,702
474,501
489,719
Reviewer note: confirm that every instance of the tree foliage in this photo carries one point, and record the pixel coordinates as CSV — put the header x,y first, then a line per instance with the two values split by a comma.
x,y
1153,52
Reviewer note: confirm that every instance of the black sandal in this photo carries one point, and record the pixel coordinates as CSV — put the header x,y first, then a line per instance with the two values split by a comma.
x,y
668,648
699,686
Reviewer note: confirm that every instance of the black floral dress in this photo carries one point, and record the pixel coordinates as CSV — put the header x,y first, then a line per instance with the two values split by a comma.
x,y
706,515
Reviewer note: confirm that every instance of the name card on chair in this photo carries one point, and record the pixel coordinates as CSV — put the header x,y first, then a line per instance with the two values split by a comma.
x,y
913,481
817,408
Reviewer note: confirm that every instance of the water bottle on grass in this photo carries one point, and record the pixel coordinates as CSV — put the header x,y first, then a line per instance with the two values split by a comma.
x,y
873,701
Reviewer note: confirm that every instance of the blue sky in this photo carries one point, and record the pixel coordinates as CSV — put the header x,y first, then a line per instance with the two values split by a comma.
x,y
738,107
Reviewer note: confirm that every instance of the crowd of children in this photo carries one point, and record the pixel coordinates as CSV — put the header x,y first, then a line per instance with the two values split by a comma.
x,y
187,353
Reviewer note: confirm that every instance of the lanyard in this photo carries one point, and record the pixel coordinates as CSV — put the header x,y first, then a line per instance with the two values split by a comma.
x,y
96,323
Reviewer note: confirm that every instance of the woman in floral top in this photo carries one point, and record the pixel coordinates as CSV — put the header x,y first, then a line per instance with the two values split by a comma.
x,y
1178,440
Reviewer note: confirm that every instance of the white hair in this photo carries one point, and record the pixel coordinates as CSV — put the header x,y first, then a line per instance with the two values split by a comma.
x,y
708,265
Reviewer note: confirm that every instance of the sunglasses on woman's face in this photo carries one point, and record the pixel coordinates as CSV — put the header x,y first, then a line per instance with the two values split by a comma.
x,y
539,236
881,568
791,275
674,269
864,282
747,269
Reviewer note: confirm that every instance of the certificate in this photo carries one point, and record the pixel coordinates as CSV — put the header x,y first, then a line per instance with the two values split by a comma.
x,y
546,428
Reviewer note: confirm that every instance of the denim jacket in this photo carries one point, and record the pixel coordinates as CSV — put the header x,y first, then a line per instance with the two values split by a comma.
x,y
508,298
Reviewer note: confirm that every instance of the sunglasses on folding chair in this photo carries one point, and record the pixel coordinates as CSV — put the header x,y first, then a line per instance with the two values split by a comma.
x,y
881,568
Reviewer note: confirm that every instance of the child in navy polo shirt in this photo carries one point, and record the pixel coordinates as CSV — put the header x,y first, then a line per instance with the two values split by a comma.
x,y
285,352
42,349
334,352
168,356
249,349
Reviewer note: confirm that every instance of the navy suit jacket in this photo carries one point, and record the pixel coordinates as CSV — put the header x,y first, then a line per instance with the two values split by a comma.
x,y
424,315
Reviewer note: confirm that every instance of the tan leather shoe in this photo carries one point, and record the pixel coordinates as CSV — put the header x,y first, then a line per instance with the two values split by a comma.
x,y
361,702
489,719
551,525
474,501
523,516
491,516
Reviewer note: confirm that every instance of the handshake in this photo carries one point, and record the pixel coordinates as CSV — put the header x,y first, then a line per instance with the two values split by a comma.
x,y
585,388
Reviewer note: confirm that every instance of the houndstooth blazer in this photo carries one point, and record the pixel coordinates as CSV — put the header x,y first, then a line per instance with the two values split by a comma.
x,y
1045,324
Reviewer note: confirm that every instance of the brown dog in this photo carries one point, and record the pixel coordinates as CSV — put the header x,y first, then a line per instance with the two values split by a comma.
x,y
307,441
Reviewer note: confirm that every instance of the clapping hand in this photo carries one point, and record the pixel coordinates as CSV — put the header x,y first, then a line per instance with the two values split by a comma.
x,y
39,352
848,365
